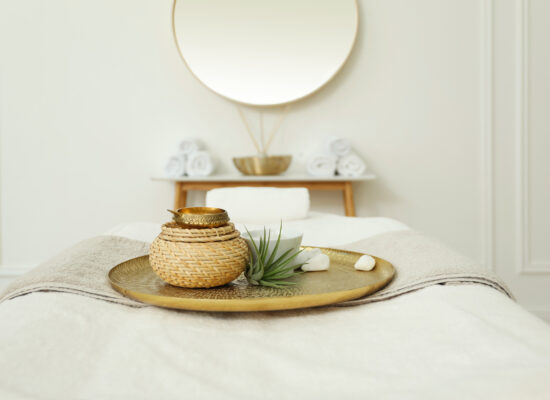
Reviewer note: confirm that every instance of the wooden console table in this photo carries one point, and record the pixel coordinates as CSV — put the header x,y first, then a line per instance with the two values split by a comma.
x,y
338,183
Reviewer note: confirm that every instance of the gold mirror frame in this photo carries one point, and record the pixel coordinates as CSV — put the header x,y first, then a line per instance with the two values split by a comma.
x,y
292,100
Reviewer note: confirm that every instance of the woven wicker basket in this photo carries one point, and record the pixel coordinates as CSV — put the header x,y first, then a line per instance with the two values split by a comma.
x,y
198,258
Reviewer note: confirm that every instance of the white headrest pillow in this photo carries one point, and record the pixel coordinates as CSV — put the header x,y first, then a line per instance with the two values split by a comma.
x,y
260,205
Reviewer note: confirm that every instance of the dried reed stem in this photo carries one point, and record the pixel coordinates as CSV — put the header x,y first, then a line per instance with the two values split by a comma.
x,y
262,142
276,127
249,130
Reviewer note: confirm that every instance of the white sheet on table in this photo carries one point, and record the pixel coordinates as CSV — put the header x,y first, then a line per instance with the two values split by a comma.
x,y
456,342
320,229
451,342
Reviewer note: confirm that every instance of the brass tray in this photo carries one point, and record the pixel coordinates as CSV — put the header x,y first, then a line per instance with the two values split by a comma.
x,y
135,279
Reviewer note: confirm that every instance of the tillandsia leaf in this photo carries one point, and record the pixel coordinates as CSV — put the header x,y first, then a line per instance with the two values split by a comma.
x,y
257,274
254,273
279,278
286,254
278,271
272,256
284,264
261,247
254,270
284,259
264,246
252,240
266,270
277,263
277,285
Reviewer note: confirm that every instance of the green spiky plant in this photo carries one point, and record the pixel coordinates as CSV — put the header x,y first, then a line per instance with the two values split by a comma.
x,y
267,270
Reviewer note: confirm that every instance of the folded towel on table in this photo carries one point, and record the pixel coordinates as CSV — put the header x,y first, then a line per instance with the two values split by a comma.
x,y
351,165
260,205
321,165
176,166
199,163
338,146
188,146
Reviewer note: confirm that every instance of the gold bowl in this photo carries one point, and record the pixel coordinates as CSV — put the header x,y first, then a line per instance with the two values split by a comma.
x,y
200,217
267,165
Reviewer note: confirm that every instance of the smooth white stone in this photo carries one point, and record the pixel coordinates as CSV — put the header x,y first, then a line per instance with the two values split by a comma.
x,y
320,262
365,263
307,255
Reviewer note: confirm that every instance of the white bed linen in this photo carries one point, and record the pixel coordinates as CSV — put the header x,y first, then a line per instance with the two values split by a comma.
x,y
451,342
320,229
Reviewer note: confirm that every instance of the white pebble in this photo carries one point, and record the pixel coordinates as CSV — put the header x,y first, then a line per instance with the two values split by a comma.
x,y
365,263
320,262
307,255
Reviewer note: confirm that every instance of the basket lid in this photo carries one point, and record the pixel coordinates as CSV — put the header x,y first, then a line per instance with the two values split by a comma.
x,y
175,233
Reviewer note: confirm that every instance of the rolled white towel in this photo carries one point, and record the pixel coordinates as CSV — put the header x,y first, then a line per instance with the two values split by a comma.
x,y
199,163
351,165
338,146
176,166
188,146
321,165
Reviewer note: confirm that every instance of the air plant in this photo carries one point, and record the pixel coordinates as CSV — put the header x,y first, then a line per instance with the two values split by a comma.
x,y
265,269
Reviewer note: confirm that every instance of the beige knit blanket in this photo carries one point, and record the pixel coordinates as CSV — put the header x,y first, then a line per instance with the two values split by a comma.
x,y
419,262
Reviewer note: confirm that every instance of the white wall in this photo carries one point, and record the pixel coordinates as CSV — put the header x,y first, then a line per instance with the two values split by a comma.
x,y
94,97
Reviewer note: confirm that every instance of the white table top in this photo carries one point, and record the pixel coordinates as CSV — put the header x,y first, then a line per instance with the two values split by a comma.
x,y
264,178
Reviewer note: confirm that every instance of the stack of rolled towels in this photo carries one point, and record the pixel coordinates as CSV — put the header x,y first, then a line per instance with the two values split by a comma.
x,y
337,158
190,160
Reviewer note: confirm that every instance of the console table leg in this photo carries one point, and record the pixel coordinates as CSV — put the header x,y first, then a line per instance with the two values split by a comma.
x,y
180,198
349,204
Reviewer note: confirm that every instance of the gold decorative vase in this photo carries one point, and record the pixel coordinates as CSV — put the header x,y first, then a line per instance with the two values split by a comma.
x,y
262,165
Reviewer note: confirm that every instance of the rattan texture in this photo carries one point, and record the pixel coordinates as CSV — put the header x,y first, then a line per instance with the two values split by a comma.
x,y
174,232
198,258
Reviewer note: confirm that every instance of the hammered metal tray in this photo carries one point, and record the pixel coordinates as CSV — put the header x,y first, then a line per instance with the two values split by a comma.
x,y
135,279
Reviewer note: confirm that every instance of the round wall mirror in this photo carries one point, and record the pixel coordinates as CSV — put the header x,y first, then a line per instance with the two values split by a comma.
x,y
265,52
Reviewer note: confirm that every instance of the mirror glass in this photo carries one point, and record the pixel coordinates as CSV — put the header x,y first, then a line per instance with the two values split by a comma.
x,y
265,52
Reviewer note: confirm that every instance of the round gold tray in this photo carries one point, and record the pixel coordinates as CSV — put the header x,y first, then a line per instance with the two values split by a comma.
x,y
135,279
